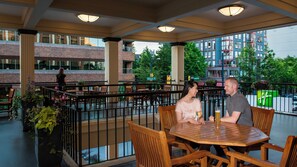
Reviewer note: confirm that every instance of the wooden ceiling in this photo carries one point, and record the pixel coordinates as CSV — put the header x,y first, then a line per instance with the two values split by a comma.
x,y
137,20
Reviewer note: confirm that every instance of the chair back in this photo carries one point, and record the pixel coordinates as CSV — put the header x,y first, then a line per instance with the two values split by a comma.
x,y
262,119
289,157
167,117
140,87
10,95
167,87
103,89
150,146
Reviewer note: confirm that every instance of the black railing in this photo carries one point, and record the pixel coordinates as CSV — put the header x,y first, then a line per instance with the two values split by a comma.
x,y
95,130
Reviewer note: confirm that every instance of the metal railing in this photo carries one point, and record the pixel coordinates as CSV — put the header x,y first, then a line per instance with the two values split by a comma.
x,y
95,128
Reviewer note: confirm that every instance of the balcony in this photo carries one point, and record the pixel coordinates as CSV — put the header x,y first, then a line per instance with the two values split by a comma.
x,y
110,112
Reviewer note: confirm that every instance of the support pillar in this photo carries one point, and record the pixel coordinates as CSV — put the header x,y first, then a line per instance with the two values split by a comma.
x,y
27,57
111,54
177,62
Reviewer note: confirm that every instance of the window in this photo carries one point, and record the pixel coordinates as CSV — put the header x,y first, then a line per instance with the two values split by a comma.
x,y
45,38
60,39
12,36
74,40
81,40
2,34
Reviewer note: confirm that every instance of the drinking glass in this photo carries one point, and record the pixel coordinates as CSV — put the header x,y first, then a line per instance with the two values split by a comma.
x,y
217,117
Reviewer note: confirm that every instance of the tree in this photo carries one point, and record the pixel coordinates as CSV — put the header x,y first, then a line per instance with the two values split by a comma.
x,y
277,70
161,62
248,64
164,60
145,65
195,65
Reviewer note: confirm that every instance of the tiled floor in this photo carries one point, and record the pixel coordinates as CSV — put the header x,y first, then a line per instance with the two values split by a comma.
x,y
17,148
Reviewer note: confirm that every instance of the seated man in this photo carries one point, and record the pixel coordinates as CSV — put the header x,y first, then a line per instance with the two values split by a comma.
x,y
237,106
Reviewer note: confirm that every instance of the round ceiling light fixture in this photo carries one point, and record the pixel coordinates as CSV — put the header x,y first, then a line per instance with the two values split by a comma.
x,y
166,28
231,10
87,18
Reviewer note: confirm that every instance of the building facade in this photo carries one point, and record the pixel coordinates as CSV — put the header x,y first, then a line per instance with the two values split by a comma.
x,y
81,57
221,53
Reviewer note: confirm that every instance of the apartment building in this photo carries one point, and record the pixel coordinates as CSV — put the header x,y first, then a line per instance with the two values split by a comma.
x,y
81,57
221,52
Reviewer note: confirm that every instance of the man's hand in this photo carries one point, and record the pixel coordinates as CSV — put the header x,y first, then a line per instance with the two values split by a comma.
x,y
211,119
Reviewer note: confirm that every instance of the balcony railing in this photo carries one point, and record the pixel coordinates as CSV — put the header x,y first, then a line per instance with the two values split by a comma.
x,y
97,121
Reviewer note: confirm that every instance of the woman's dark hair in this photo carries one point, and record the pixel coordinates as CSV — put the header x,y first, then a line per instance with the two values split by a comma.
x,y
61,70
188,85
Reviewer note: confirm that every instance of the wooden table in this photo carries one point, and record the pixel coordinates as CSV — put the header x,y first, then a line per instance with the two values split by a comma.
x,y
227,134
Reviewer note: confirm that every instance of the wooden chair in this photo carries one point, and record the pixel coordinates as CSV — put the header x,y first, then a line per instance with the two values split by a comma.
x,y
168,119
128,89
151,149
165,97
8,104
262,119
289,157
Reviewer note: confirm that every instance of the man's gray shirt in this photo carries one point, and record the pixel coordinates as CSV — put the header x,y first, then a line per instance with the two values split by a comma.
x,y
239,103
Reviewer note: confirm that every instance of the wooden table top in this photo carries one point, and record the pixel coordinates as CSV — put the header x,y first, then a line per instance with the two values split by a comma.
x,y
228,134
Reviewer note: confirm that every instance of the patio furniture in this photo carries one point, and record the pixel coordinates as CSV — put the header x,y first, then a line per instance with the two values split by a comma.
x,y
7,104
262,119
227,134
168,119
151,149
289,157
165,97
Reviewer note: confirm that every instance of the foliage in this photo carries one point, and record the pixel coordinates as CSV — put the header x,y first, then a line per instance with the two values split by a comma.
x,y
277,70
160,64
248,64
195,64
164,63
271,69
261,85
16,104
146,65
31,96
211,82
46,118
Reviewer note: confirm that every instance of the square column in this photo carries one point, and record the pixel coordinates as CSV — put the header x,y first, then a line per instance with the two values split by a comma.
x,y
111,54
177,62
27,57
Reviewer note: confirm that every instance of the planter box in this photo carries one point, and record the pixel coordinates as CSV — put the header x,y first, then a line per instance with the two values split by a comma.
x,y
49,148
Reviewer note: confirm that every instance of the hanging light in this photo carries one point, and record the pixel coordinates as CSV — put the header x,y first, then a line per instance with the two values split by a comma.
x,y
166,28
87,18
231,10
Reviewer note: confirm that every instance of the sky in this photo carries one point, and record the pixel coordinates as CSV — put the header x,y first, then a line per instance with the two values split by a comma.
x,y
283,41
140,46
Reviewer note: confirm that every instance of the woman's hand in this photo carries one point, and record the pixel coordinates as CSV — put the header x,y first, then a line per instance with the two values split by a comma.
x,y
201,121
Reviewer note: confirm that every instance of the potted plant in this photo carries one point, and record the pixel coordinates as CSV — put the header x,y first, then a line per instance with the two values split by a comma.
x,y
30,99
261,85
211,82
48,135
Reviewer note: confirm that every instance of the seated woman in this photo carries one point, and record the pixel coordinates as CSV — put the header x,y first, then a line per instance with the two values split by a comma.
x,y
188,107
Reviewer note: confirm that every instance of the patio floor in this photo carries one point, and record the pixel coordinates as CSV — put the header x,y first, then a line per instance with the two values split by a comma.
x,y
17,148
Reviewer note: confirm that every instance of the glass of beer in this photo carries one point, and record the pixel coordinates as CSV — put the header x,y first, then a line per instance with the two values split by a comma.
x,y
217,117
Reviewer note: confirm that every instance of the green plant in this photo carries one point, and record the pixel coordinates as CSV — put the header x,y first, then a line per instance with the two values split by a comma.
x,y
261,85
31,96
16,104
46,118
211,82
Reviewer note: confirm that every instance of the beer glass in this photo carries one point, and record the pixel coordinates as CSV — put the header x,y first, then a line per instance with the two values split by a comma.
x,y
217,117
